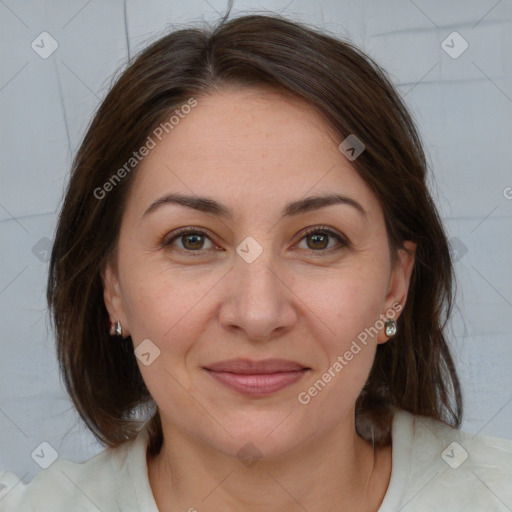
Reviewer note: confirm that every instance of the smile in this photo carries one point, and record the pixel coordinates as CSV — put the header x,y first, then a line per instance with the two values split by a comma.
x,y
253,378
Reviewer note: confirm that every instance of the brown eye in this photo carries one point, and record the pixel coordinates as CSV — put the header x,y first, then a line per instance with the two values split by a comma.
x,y
193,241
318,241
189,241
321,240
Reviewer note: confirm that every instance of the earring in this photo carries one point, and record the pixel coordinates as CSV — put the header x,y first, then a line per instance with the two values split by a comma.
x,y
391,327
116,329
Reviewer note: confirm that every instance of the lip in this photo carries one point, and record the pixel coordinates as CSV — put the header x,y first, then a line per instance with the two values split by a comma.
x,y
250,367
257,378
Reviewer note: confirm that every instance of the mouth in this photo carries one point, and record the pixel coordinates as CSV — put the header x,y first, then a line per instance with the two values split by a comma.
x,y
257,378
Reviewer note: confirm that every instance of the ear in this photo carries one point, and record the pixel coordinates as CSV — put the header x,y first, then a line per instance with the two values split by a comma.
x,y
398,285
113,298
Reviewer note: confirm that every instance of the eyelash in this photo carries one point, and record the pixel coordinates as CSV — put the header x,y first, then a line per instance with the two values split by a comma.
x,y
343,242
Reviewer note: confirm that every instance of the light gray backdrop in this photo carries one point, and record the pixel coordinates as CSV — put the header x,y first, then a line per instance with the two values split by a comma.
x,y
460,97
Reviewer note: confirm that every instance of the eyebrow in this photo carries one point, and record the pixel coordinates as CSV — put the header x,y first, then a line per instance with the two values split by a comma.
x,y
211,206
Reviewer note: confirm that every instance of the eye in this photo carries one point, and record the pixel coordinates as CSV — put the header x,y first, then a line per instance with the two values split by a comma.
x,y
317,240
189,240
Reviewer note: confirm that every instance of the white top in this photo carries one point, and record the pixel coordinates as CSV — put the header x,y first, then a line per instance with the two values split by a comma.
x,y
434,468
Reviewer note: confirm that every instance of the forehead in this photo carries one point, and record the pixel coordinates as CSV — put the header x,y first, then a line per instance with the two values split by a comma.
x,y
248,144
259,120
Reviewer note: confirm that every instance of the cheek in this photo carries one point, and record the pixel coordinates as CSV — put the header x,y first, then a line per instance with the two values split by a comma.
x,y
160,308
347,302
170,313
349,310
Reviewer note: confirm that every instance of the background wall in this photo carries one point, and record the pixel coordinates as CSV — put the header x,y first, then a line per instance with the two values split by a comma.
x,y
460,97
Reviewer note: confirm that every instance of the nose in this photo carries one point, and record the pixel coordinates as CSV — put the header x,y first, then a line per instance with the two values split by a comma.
x,y
258,301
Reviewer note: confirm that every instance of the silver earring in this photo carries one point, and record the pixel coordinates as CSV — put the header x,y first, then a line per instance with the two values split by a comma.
x,y
116,329
391,327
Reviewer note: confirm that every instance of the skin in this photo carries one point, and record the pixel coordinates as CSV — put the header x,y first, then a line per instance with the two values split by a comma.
x,y
254,150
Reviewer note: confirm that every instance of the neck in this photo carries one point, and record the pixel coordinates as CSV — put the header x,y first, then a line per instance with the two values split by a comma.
x,y
339,472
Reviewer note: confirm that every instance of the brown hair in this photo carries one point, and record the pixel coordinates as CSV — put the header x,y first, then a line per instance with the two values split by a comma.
x,y
413,371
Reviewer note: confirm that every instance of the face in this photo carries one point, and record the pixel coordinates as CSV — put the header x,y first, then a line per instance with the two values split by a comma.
x,y
259,272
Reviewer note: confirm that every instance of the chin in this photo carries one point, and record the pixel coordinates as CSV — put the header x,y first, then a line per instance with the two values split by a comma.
x,y
260,435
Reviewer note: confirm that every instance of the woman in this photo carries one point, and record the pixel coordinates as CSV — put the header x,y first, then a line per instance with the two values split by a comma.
x,y
249,284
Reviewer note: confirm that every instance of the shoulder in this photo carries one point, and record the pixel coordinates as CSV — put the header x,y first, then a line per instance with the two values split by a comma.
x,y
448,469
88,486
